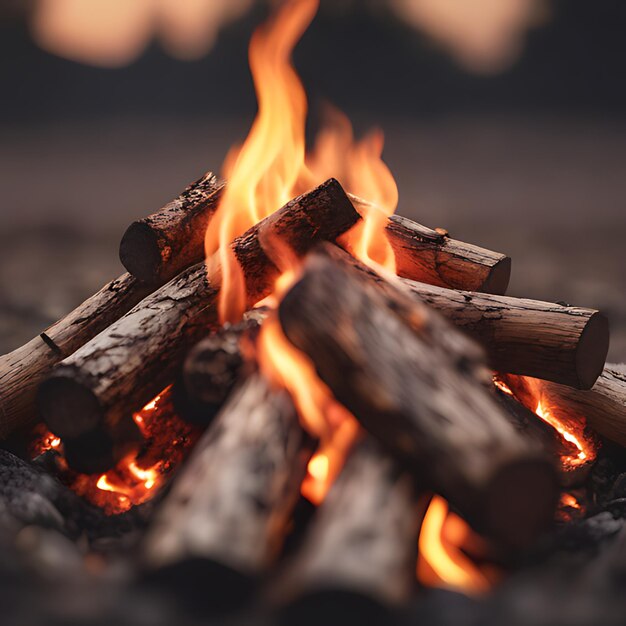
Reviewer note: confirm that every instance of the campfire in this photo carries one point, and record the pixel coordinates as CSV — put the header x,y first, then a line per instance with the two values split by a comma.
x,y
306,402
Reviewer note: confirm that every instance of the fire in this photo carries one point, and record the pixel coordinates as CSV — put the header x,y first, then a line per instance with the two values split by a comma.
x,y
271,166
138,476
263,174
569,499
442,562
322,416
529,392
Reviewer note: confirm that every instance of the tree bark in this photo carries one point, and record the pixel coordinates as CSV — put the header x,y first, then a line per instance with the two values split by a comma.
x,y
419,387
134,359
22,370
223,522
564,344
431,257
212,369
163,244
360,552
158,247
603,407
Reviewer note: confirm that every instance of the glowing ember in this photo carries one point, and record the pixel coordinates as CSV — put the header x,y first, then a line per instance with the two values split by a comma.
x,y
44,440
442,563
137,477
569,500
528,391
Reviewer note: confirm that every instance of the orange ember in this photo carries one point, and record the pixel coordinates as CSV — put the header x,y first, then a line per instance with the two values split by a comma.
x,y
571,429
442,561
137,477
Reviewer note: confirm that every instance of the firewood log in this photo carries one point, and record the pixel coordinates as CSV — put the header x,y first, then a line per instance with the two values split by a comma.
x,y
431,257
212,369
158,247
420,388
163,244
603,406
222,524
22,370
359,555
134,359
564,344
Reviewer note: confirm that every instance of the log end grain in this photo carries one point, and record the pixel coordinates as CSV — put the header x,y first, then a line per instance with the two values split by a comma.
x,y
592,350
98,451
497,281
67,406
141,252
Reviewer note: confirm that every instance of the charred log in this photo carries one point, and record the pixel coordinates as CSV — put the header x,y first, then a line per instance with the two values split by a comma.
x,y
22,370
163,244
157,247
134,359
359,555
432,257
222,524
564,344
420,388
212,369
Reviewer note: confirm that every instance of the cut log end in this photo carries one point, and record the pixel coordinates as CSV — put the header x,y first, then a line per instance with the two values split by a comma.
x,y
141,253
497,281
61,398
592,350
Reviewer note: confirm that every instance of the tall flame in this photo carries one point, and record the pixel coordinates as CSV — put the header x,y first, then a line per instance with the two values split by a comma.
x,y
263,174
271,166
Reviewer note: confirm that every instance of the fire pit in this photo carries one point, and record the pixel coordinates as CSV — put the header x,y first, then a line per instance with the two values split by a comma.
x,y
299,407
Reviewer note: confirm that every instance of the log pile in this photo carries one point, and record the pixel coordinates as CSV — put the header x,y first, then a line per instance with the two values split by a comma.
x,y
411,357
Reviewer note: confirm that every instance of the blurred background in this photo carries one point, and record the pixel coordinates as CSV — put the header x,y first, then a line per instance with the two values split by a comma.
x,y
504,122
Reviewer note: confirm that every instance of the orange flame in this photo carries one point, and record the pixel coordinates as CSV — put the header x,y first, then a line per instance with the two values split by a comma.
x,y
263,174
322,416
271,166
441,561
529,392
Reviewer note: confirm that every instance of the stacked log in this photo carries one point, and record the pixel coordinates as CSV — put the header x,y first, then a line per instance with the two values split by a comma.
x,y
420,388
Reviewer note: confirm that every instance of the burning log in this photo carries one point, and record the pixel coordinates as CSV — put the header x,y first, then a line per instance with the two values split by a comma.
x,y
22,370
430,256
359,555
158,247
603,407
420,388
564,344
163,244
223,522
212,369
135,358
